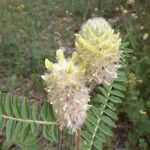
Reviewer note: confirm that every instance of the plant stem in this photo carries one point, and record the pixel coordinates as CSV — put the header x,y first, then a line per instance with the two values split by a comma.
x,y
28,120
78,139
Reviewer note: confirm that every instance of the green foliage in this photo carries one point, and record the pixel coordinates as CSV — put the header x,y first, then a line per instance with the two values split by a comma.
x,y
22,122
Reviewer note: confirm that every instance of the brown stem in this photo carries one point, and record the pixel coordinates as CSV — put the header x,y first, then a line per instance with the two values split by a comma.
x,y
59,146
78,139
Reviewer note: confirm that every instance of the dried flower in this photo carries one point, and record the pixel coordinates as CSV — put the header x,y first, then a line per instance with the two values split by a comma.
x,y
134,16
67,91
145,36
98,50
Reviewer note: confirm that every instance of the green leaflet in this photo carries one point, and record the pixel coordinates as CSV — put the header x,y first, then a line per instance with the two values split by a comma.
x,y
47,112
8,105
117,93
115,99
25,112
106,130
26,131
110,113
111,106
101,98
10,125
18,129
54,133
34,112
104,92
108,121
46,132
16,107
34,128
86,135
119,86
97,144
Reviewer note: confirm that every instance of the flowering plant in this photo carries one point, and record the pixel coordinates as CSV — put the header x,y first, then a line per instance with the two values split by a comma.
x,y
95,66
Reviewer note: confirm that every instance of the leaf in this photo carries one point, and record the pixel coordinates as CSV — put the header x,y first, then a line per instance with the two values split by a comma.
x,y
8,105
10,125
105,93
18,128
121,78
115,99
47,112
30,143
117,93
45,132
90,126
26,131
107,87
108,121
101,137
106,130
97,144
84,144
111,114
111,106
91,119
16,107
34,112
54,133
101,98
25,109
96,111
86,136
34,127
119,87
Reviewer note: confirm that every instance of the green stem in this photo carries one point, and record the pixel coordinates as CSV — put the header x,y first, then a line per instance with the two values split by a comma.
x,y
28,120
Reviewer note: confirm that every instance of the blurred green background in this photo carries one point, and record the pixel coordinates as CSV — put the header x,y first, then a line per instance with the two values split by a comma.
x,y
31,30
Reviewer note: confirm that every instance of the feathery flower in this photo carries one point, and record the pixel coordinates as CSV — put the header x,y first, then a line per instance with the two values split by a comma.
x,y
98,50
67,91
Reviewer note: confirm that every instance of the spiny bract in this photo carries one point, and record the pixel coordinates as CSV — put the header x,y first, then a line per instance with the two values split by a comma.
x,y
67,91
98,50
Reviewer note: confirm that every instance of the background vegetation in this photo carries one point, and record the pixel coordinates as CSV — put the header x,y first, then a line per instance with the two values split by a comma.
x,y
32,30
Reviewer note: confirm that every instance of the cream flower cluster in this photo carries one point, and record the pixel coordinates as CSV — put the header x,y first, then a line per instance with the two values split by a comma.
x,y
67,91
96,59
98,50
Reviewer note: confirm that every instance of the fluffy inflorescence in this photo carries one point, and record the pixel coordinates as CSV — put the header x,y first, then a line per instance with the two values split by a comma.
x,y
95,61
67,92
98,50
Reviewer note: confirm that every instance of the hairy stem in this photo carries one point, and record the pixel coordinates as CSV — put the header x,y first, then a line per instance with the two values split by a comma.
x,y
28,120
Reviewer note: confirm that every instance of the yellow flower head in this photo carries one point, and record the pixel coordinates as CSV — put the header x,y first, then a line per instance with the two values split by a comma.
x,y
98,50
97,38
65,69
